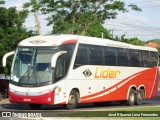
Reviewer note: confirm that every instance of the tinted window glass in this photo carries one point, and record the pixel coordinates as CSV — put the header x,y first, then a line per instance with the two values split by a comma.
x,y
60,70
154,59
134,58
96,55
145,58
69,48
82,56
110,56
123,57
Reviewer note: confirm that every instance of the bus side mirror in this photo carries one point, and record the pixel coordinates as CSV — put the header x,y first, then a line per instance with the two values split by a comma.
x,y
4,60
55,57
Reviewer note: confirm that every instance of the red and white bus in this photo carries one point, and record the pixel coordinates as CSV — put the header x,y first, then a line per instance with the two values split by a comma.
x,y
71,69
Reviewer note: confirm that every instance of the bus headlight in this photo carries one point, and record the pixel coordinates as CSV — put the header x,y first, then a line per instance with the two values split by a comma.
x,y
46,91
12,90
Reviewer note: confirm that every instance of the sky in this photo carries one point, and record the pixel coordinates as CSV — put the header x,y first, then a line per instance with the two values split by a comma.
x,y
30,21
145,25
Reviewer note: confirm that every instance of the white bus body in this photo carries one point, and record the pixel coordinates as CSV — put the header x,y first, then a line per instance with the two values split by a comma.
x,y
71,69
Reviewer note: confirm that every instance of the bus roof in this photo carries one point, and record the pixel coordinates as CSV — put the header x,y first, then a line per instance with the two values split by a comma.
x,y
55,40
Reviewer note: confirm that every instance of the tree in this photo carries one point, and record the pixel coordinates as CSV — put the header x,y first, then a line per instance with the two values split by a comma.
x,y
11,31
78,16
134,41
2,2
35,8
97,29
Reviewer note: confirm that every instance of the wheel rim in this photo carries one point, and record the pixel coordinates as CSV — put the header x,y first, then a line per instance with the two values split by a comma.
x,y
72,100
132,98
139,96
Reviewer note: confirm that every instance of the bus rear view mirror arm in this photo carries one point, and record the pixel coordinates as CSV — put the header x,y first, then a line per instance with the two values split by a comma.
x,y
5,58
55,57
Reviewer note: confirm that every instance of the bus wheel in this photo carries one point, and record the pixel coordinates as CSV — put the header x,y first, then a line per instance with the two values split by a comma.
x,y
35,106
72,100
131,98
5,95
139,97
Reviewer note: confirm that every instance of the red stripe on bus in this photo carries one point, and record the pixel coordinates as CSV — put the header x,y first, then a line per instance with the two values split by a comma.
x,y
103,91
69,41
146,77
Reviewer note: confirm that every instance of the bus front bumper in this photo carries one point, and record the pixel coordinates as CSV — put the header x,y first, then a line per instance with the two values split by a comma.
x,y
47,98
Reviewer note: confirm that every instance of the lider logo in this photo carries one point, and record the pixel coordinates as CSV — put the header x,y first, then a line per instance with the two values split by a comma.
x,y
87,73
106,73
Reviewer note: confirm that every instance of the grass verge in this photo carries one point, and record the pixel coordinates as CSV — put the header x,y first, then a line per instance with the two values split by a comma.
x,y
149,113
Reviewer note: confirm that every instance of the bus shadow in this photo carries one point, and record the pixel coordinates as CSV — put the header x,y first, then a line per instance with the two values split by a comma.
x,y
88,106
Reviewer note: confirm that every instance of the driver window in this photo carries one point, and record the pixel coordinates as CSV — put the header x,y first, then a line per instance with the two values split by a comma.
x,y
60,70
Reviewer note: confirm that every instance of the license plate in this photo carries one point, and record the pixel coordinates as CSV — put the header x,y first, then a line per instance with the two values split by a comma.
x,y
26,99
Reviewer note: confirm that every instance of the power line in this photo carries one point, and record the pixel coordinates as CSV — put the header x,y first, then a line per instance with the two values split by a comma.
x,y
140,25
150,31
150,6
145,1
133,25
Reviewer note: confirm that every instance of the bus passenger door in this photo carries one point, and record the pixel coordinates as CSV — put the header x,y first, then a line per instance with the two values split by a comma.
x,y
60,82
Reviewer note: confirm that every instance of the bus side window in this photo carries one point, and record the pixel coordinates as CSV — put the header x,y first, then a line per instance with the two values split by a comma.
x,y
154,59
134,58
123,59
60,70
82,56
69,48
145,58
96,55
110,56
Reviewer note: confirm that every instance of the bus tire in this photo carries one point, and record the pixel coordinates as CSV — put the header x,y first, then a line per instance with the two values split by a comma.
x,y
131,98
139,97
72,100
5,95
35,106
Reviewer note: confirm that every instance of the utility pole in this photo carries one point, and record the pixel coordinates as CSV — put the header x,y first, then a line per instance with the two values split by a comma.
x,y
112,32
102,35
125,30
137,27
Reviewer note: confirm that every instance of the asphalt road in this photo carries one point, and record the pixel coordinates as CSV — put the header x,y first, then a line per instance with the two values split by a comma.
x,y
5,105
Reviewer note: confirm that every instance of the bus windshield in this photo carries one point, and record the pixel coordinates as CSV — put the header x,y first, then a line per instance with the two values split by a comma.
x,y
32,66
